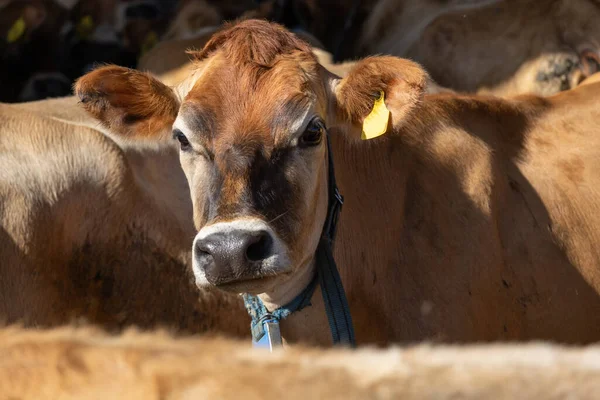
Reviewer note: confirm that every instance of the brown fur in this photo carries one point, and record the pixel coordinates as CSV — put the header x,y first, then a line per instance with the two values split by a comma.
x,y
80,364
592,79
195,23
370,76
191,17
261,47
146,113
471,220
171,60
93,231
506,48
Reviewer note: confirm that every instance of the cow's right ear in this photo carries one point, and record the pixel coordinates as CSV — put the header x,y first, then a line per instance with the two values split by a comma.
x,y
129,103
378,96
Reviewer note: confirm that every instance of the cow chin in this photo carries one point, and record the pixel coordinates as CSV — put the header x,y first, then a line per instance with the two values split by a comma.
x,y
241,256
262,280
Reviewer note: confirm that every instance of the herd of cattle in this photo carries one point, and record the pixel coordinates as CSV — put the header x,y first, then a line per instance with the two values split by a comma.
x,y
153,197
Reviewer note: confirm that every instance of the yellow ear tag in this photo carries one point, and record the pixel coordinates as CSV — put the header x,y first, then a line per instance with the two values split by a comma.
x,y
377,121
16,31
85,27
149,42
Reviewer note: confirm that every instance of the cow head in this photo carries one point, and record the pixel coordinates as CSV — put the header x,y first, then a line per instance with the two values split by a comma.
x,y
252,125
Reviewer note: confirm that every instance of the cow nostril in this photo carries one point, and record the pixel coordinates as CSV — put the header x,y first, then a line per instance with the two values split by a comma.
x,y
203,249
260,248
203,253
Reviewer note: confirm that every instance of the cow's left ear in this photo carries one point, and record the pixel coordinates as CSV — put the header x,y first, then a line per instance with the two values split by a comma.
x,y
378,96
129,103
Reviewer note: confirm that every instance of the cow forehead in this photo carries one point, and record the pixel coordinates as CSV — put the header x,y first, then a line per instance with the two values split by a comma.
x,y
231,102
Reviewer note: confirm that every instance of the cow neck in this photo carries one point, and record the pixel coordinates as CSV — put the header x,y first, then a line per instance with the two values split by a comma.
x,y
265,325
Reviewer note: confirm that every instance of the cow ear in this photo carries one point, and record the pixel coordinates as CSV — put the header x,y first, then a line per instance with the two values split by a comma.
x,y
378,96
129,103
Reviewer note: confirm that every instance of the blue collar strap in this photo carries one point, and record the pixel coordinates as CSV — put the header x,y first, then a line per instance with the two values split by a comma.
x,y
336,305
260,315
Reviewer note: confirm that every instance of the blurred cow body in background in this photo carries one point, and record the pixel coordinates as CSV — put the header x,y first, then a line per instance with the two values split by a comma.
x,y
502,47
46,44
83,233
29,43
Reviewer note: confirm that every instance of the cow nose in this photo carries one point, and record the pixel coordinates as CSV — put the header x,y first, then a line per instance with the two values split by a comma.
x,y
233,255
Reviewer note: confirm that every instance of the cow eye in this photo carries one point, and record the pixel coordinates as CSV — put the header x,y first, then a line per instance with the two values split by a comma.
x,y
183,141
313,134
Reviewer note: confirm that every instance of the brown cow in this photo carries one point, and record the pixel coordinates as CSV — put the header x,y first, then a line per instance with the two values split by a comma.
x,y
502,47
84,365
508,47
471,219
96,230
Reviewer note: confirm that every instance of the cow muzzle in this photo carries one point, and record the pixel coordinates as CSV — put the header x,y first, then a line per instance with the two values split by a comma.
x,y
237,255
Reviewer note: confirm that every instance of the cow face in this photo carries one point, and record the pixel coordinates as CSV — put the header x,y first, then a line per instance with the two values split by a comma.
x,y
252,132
